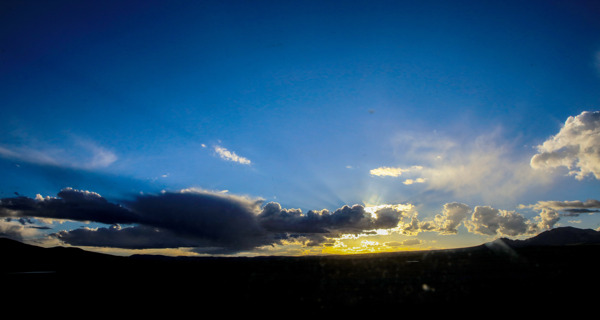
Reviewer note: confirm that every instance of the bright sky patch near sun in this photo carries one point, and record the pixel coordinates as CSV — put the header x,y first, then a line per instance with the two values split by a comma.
x,y
333,127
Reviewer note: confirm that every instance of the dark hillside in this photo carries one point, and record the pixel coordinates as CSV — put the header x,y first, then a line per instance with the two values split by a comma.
x,y
523,275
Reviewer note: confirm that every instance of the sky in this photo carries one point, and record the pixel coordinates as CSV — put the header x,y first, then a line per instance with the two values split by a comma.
x,y
296,127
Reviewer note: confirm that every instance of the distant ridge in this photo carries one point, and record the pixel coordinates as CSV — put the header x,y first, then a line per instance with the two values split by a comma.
x,y
562,236
562,260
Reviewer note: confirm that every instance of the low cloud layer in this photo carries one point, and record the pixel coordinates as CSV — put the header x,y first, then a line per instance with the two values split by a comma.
x,y
207,221
576,147
489,221
217,222
552,211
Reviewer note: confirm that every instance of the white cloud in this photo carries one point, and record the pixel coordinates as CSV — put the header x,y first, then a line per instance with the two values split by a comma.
x,y
490,221
413,181
452,216
483,220
230,155
14,229
392,171
576,146
550,212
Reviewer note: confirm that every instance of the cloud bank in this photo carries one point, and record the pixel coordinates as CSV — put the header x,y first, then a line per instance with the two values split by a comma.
x,y
209,222
221,223
489,221
576,147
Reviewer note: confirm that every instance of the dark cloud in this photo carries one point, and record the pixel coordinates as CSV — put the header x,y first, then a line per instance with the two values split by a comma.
x,y
70,204
569,208
569,205
133,237
207,221
577,212
316,224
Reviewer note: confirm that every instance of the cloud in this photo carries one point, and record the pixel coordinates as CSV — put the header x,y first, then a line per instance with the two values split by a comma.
x,y
17,229
133,237
78,153
413,181
316,225
490,221
69,204
571,206
485,168
452,215
483,220
230,156
576,147
550,211
391,171
220,222
214,222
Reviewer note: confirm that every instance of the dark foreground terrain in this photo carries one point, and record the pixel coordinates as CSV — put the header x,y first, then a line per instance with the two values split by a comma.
x,y
493,276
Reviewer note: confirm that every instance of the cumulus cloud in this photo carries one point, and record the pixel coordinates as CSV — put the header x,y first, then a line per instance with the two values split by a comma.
x,y
347,219
452,216
576,147
230,155
208,221
18,229
550,212
483,220
486,220
490,221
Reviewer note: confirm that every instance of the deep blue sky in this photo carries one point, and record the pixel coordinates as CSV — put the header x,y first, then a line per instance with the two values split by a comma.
x,y
122,98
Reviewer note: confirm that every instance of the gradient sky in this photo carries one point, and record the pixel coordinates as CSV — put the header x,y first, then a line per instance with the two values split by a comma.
x,y
296,127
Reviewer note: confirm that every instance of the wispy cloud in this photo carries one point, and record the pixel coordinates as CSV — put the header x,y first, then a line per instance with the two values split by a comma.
x,y
77,153
483,167
230,155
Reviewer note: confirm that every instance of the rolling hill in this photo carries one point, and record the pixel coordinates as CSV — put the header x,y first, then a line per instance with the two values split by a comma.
x,y
558,264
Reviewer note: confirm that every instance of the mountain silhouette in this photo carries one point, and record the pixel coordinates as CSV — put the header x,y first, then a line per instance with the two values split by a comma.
x,y
562,236
561,263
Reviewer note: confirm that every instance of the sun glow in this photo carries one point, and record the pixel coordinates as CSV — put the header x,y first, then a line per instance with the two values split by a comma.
x,y
371,241
372,209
